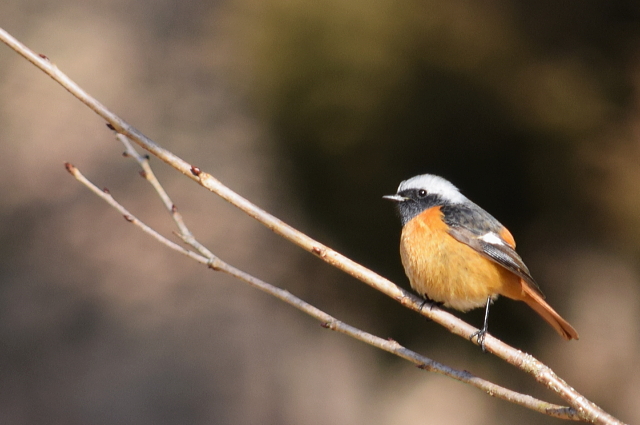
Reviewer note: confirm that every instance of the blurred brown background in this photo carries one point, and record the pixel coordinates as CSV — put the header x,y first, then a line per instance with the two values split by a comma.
x,y
313,110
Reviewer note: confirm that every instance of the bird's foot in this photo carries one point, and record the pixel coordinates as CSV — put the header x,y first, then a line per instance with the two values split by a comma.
x,y
480,336
430,302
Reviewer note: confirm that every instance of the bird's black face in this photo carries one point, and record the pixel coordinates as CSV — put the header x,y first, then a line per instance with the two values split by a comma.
x,y
412,202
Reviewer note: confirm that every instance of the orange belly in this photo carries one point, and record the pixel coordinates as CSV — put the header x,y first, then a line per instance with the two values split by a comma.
x,y
448,271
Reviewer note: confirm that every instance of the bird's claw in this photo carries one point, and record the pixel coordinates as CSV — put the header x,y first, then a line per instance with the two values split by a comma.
x,y
480,336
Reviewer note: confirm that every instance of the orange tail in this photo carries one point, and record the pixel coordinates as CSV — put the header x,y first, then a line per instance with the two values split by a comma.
x,y
536,302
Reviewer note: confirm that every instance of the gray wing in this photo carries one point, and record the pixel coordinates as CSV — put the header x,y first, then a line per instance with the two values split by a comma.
x,y
499,252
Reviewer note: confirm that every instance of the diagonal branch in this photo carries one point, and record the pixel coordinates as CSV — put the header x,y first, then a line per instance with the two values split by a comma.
x,y
143,160
328,321
587,410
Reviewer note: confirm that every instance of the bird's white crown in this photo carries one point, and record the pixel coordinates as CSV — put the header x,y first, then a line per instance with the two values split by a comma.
x,y
434,185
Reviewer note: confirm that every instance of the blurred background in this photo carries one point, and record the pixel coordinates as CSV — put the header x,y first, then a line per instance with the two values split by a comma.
x,y
313,110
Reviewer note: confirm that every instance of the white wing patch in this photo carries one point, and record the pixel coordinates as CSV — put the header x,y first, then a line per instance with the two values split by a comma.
x,y
492,238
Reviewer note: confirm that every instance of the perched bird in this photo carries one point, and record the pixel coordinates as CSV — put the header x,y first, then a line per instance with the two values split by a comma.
x,y
456,254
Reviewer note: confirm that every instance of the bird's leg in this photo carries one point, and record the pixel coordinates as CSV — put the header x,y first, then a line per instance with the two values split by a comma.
x,y
432,303
483,332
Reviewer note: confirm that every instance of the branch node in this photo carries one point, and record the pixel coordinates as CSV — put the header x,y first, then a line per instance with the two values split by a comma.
x,y
195,170
110,126
214,264
425,366
128,218
70,168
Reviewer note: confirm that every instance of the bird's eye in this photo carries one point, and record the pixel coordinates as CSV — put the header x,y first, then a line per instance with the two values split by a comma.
x,y
422,193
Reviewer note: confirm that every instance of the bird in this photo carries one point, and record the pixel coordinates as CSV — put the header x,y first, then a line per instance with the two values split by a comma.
x,y
458,255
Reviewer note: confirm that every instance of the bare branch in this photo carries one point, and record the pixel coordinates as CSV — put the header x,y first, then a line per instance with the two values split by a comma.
x,y
143,160
587,410
330,322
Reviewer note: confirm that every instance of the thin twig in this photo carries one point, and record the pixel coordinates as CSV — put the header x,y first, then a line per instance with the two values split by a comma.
x,y
587,410
330,322
147,172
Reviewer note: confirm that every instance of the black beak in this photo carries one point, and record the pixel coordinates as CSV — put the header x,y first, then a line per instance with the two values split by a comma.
x,y
394,198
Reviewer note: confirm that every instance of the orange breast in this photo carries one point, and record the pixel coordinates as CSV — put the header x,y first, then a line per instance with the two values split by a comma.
x,y
448,271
